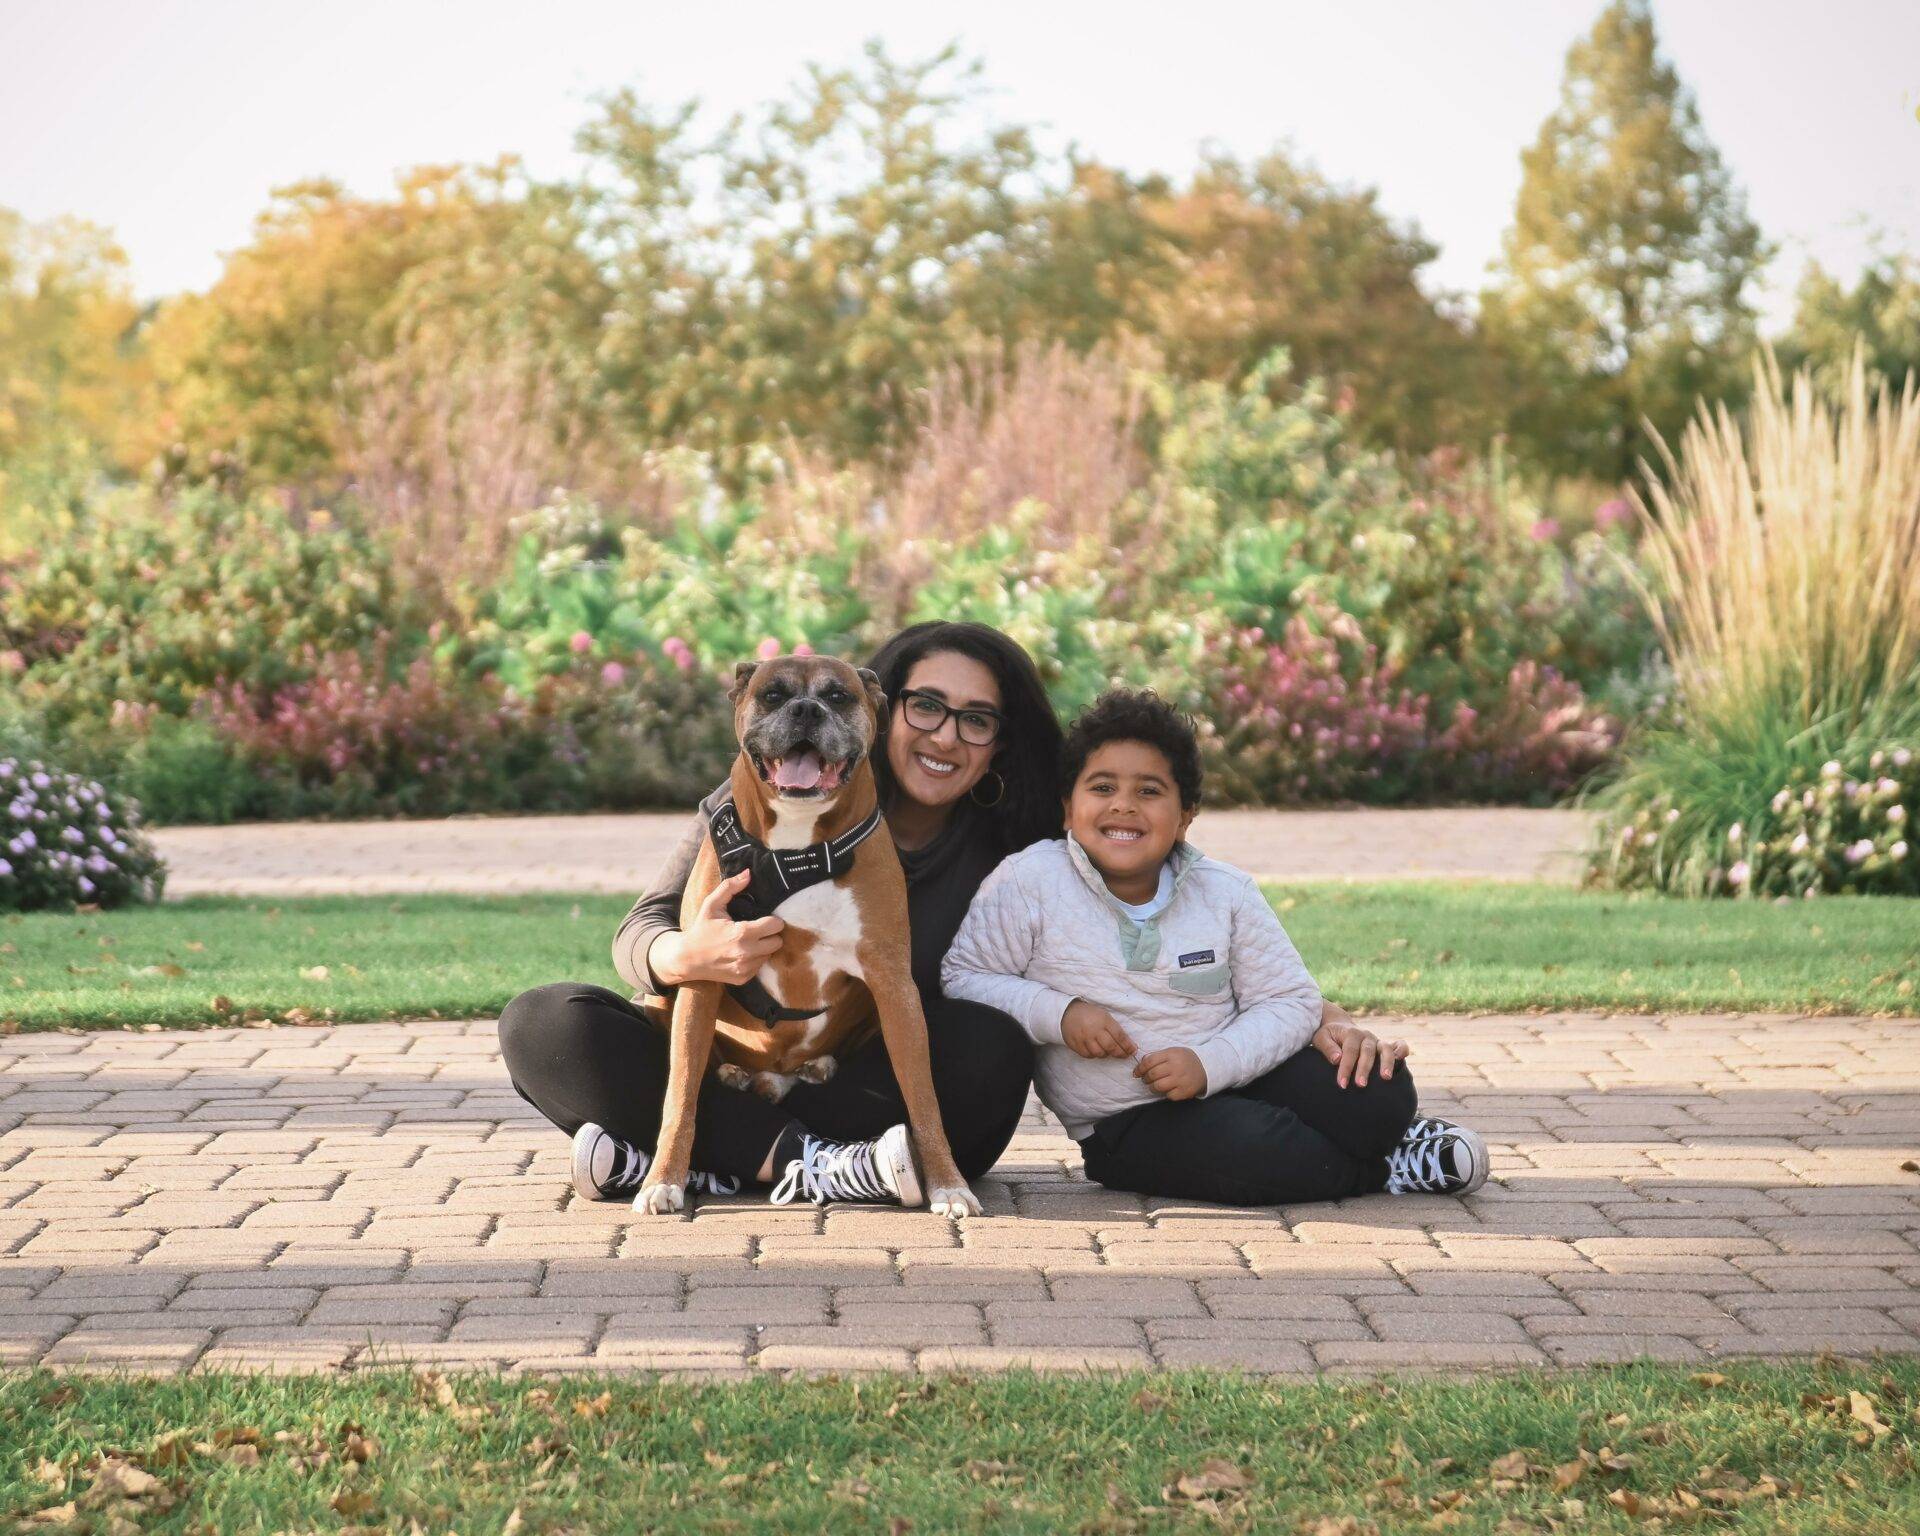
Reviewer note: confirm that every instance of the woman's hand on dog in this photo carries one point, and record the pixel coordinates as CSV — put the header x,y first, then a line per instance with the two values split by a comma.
x,y
1089,1030
713,947
1353,1051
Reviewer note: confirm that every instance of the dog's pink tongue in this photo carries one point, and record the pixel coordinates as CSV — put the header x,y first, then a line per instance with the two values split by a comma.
x,y
801,772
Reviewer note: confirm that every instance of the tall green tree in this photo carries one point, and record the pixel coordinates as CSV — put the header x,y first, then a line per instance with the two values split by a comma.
x,y
1881,313
1624,288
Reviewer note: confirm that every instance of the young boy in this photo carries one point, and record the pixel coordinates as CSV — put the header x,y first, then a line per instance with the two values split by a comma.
x,y
1180,1036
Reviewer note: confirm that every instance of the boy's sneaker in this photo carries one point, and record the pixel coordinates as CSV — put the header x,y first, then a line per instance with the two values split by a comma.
x,y
1437,1157
881,1169
607,1168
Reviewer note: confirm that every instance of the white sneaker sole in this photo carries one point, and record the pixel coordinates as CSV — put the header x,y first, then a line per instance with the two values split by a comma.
x,y
1473,1148
896,1148
590,1145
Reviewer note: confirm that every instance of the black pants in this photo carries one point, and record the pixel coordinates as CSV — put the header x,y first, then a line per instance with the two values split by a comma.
x,y
1287,1137
577,1053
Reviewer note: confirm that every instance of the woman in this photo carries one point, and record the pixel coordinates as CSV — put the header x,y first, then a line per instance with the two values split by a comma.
x,y
968,775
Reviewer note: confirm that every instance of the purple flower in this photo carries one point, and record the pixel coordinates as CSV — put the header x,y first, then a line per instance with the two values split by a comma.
x,y
41,781
86,886
73,835
5,868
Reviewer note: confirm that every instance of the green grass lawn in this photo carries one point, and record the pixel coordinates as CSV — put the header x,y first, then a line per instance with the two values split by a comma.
x,y
1409,948
1773,1448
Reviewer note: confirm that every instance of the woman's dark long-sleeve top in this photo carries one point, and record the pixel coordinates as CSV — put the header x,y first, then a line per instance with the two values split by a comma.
x,y
941,881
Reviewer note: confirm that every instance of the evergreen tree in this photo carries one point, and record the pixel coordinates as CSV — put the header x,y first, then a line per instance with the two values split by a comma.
x,y
1623,294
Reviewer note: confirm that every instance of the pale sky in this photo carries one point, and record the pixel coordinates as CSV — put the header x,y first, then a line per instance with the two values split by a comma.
x,y
169,120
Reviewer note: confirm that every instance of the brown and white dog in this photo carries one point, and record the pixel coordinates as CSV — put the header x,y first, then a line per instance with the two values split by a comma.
x,y
803,781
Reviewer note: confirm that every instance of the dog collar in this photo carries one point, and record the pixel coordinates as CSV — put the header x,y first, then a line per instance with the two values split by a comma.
x,y
777,874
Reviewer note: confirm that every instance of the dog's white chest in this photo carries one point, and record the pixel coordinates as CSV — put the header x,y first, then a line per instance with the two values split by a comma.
x,y
828,912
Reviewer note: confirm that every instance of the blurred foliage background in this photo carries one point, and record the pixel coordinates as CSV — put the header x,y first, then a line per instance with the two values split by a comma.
x,y
453,499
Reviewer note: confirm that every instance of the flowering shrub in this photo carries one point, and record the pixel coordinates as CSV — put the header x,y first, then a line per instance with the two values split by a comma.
x,y
1284,722
1846,827
1540,739
64,841
349,741
156,604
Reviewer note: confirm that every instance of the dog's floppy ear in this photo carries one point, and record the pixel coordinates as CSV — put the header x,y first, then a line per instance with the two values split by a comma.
x,y
876,695
742,675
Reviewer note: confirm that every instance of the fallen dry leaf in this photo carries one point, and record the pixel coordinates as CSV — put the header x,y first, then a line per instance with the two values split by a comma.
x,y
122,1479
352,1503
51,1473
990,1471
514,1522
1511,1465
1216,1478
166,969
59,1514
1708,1379
1860,1408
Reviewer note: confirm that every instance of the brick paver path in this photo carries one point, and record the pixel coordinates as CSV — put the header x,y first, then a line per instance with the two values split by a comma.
x,y
619,854
311,1198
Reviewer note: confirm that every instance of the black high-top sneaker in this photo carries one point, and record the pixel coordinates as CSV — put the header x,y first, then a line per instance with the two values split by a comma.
x,y
1437,1157
607,1168
881,1169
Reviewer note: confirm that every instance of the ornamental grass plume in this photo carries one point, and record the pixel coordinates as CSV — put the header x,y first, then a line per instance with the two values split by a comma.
x,y
1783,561
1786,555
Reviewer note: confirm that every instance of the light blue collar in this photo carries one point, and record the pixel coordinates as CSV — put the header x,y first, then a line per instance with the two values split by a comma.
x,y
1139,941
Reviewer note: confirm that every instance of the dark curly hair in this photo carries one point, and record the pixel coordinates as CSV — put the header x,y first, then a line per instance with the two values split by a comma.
x,y
1126,714
1029,744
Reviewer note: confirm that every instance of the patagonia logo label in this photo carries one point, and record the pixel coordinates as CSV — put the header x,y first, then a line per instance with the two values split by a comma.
x,y
1198,957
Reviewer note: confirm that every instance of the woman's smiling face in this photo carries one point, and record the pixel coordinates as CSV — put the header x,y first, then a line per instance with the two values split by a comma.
x,y
936,767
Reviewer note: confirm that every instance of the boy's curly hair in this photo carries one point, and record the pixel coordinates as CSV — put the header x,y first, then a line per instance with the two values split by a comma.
x,y
1128,714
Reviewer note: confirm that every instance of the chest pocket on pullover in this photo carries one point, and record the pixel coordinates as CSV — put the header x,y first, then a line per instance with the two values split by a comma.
x,y
1200,980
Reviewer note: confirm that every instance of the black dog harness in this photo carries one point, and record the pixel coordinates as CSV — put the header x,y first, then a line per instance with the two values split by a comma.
x,y
777,874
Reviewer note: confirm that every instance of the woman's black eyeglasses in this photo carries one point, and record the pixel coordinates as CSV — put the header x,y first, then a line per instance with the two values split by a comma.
x,y
928,712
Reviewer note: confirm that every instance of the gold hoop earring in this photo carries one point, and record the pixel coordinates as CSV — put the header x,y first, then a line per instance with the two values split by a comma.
x,y
1000,791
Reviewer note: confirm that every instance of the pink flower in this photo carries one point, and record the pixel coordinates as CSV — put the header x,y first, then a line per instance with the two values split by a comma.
x,y
582,642
803,649
613,674
12,663
1739,874
769,648
1544,530
1616,513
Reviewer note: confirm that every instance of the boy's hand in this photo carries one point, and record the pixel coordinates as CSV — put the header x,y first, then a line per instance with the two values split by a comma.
x,y
1353,1051
1089,1030
1174,1073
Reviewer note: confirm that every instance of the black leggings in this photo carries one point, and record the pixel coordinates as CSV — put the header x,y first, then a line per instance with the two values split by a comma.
x,y
1289,1136
577,1053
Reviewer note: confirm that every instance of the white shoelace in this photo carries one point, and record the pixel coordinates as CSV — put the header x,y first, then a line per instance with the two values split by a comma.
x,y
632,1165
827,1170
1417,1165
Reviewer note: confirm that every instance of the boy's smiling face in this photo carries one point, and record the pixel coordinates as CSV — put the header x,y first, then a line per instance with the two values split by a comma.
x,y
1124,810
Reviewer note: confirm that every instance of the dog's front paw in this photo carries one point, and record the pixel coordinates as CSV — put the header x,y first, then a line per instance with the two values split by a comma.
x,y
819,1070
954,1200
734,1077
661,1199
772,1086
